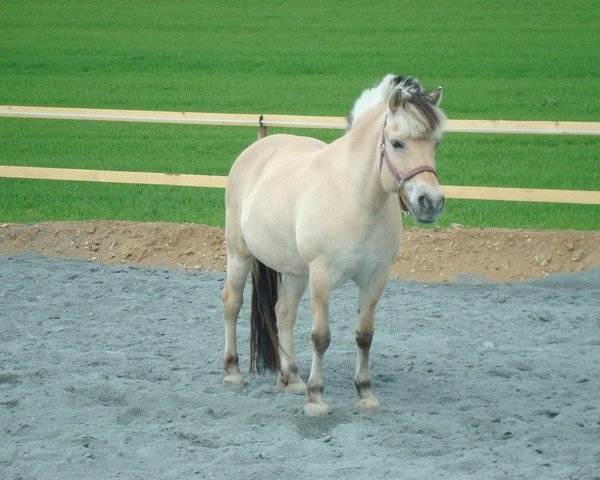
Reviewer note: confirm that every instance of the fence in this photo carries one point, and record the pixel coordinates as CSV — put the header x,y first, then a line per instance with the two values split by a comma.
x,y
262,122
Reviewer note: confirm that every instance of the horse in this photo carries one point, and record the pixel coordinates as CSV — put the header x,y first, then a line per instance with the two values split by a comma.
x,y
300,212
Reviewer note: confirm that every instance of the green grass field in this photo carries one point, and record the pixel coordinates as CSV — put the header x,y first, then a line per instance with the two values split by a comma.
x,y
515,60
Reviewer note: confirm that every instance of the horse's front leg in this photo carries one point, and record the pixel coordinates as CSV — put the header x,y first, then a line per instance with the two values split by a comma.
x,y
369,293
320,289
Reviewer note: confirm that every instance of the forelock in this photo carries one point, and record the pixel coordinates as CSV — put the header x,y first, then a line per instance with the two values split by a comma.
x,y
417,117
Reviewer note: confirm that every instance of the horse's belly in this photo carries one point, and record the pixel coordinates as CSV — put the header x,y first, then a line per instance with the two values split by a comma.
x,y
272,240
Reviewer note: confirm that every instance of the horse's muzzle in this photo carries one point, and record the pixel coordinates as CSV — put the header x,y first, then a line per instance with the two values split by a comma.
x,y
428,206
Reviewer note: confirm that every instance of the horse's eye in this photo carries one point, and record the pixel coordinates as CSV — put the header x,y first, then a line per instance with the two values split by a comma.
x,y
397,144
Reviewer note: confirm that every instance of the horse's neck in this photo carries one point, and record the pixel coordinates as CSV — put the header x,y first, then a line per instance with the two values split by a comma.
x,y
361,145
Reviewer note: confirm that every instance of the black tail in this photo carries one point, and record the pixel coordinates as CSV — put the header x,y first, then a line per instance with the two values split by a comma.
x,y
264,341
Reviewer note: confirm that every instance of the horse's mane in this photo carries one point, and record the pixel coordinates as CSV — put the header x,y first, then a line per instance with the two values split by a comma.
x,y
421,116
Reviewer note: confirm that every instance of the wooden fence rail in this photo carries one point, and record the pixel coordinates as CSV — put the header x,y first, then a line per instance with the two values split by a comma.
x,y
213,181
288,121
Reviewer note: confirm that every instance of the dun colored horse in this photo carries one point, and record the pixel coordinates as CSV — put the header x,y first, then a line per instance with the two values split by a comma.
x,y
301,213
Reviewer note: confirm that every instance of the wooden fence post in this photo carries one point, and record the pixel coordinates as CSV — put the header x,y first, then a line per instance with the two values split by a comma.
x,y
262,130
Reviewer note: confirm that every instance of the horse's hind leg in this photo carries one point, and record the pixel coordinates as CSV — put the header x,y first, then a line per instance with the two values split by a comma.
x,y
292,289
238,266
369,293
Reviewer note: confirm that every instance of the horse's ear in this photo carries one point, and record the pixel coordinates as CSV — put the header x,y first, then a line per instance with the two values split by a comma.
x,y
396,100
435,97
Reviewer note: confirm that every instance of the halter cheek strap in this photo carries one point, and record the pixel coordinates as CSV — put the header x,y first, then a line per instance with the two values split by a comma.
x,y
400,177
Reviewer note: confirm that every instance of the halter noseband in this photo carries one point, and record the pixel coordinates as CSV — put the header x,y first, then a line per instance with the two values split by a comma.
x,y
400,177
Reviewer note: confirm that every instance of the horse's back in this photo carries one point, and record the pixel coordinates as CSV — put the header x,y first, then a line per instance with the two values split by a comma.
x,y
268,150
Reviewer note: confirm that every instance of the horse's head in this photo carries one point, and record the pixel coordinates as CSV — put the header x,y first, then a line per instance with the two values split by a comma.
x,y
411,133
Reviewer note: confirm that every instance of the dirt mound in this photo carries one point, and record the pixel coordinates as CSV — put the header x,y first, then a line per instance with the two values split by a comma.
x,y
425,255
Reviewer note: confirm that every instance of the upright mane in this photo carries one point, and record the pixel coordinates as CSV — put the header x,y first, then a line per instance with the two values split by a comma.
x,y
421,115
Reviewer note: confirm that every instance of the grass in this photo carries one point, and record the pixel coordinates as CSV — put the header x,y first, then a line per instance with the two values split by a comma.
x,y
516,60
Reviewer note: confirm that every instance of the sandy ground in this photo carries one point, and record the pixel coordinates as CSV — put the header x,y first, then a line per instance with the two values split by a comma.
x,y
114,371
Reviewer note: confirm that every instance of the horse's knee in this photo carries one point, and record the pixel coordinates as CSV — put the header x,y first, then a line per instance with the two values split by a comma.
x,y
364,339
321,340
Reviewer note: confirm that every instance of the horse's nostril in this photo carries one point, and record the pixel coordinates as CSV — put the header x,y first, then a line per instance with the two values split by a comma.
x,y
430,204
425,203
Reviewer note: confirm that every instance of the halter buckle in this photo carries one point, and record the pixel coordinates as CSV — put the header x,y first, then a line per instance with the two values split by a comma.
x,y
400,180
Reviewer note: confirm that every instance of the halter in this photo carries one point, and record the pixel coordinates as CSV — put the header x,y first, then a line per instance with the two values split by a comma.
x,y
399,176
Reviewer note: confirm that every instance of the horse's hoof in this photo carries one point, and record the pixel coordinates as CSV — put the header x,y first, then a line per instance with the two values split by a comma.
x,y
295,386
316,409
234,380
367,404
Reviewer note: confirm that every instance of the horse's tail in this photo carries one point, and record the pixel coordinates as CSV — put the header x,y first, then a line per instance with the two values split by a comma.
x,y
264,341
